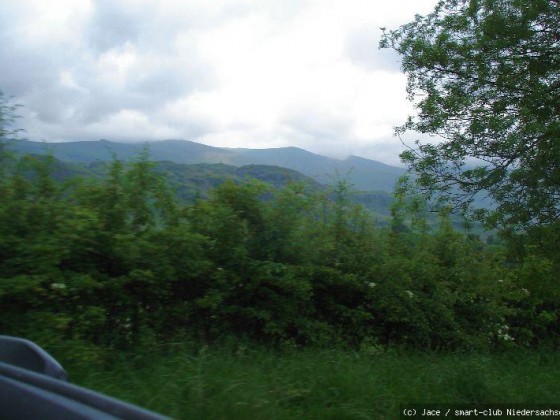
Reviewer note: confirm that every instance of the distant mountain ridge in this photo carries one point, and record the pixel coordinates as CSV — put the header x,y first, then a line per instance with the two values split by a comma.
x,y
363,174
191,182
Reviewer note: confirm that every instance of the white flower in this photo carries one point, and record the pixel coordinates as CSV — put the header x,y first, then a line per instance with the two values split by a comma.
x,y
372,284
507,337
503,334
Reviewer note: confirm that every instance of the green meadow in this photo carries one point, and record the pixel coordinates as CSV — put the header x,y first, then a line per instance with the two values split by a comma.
x,y
238,382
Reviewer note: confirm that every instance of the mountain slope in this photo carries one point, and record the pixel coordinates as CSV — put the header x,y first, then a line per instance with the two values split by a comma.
x,y
190,182
363,174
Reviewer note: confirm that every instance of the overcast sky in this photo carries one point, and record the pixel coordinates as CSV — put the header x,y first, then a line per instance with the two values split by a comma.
x,y
230,73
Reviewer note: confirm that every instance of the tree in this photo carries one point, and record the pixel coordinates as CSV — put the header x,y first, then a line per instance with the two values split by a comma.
x,y
8,115
484,77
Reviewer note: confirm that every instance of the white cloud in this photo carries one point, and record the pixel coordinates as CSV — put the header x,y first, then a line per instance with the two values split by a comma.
x,y
239,73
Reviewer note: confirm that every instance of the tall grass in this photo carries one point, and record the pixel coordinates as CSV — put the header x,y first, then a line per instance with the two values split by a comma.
x,y
255,383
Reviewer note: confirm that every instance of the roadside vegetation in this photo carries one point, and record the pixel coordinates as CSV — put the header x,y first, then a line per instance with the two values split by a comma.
x,y
273,302
261,302
251,382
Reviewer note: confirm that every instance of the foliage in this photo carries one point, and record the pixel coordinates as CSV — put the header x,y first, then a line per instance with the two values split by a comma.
x,y
111,264
483,75
8,116
236,380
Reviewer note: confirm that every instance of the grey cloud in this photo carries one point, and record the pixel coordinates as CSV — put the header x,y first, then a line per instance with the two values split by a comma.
x,y
318,130
33,80
362,48
163,72
385,151
161,85
191,128
113,24
174,79
286,10
168,66
23,69
33,75
317,124
101,105
55,104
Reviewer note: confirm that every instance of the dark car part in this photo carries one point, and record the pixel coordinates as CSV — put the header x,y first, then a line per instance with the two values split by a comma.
x,y
33,386
28,355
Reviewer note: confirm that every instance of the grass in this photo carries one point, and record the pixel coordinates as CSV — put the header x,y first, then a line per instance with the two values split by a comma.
x,y
255,383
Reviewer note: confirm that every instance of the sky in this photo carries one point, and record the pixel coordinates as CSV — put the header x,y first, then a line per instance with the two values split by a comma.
x,y
227,73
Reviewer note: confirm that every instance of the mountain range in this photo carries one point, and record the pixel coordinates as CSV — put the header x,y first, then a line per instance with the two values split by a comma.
x,y
193,169
363,174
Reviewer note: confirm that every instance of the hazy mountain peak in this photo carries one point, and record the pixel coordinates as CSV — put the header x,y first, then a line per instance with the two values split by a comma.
x,y
364,174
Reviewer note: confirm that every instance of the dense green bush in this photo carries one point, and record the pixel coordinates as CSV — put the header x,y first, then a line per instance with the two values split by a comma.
x,y
113,263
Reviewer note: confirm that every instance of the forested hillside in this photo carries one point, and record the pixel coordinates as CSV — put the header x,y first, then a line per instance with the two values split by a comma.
x,y
91,266
189,182
364,174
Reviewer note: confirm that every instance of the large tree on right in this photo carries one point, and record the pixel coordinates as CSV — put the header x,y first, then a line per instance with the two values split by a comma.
x,y
484,76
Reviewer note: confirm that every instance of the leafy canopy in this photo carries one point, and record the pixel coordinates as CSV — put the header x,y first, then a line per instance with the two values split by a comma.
x,y
484,77
7,117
